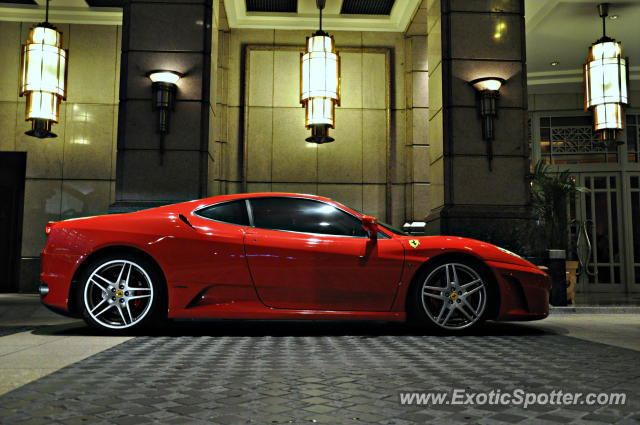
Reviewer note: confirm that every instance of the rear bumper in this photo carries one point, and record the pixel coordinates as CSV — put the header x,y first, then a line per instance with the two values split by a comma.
x,y
524,292
60,311
56,273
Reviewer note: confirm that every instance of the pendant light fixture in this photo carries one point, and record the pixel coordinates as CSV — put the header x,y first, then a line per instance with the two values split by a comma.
x,y
320,83
605,83
43,77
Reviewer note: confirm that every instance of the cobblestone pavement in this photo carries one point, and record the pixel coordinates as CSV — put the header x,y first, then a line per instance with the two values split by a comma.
x,y
274,373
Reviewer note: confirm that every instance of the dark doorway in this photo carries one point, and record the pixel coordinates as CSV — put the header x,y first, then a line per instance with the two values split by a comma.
x,y
12,174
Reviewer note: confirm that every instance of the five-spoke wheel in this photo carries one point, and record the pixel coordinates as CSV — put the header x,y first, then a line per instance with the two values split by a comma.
x,y
119,292
452,294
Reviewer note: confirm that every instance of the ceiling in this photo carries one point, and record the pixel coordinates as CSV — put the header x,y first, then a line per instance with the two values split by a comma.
x,y
97,12
336,16
557,30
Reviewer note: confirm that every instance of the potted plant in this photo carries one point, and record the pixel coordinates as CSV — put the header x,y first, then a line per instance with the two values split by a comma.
x,y
550,194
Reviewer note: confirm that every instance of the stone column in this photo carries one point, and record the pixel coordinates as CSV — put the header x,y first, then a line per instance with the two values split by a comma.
x,y
177,36
417,134
470,39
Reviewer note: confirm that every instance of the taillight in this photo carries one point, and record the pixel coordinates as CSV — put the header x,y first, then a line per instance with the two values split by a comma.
x,y
47,228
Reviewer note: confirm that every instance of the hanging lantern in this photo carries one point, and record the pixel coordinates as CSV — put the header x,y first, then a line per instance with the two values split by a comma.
x,y
43,77
320,83
605,83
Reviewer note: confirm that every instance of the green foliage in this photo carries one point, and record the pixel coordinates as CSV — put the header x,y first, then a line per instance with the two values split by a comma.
x,y
549,200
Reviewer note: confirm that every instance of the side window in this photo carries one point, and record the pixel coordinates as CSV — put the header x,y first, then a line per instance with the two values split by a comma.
x,y
304,215
234,212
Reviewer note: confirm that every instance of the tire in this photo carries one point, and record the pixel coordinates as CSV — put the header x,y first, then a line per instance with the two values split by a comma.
x,y
121,292
452,294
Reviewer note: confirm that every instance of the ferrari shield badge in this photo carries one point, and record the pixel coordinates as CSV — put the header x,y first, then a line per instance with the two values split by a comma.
x,y
414,243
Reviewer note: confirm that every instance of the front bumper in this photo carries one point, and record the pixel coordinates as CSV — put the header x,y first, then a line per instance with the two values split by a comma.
x,y
524,291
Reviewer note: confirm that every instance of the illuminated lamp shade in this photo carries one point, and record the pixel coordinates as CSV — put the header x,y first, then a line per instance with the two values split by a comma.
x,y
320,84
43,78
605,84
605,87
170,77
489,83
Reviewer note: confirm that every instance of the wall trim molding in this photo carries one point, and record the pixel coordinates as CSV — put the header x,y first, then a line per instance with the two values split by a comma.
x,y
569,76
62,15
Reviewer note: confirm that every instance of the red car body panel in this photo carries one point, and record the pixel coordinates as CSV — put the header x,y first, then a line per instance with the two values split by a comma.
x,y
219,270
324,272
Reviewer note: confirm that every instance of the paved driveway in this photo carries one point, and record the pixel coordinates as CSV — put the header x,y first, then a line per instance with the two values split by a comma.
x,y
334,373
56,370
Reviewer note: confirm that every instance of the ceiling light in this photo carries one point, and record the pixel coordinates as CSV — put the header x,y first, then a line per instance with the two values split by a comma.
x,y
605,83
320,83
43,77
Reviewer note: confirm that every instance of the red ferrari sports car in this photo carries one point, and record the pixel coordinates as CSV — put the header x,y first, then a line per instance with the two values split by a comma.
x,y
277,256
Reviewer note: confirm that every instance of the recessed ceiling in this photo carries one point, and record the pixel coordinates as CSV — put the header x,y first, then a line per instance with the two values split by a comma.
x,y
277,6
366,7
104,3
20,1
338,15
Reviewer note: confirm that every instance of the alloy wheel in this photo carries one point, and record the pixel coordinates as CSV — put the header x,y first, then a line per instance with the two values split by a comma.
x,y
454,296
118,294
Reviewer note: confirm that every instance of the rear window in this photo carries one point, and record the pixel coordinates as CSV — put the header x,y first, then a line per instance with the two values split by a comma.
x,y
234,212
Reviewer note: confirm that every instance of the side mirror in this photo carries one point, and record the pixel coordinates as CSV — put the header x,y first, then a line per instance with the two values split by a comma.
x,y
370,224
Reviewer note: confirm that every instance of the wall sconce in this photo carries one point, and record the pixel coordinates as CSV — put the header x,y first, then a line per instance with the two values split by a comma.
x,y
164,94
43,77
605,83
320,83
488,89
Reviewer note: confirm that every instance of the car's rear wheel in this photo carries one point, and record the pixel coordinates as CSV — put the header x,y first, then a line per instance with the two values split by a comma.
x,y
452,294
121,292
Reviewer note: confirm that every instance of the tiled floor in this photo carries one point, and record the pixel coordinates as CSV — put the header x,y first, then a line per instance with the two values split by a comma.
x,y
283,372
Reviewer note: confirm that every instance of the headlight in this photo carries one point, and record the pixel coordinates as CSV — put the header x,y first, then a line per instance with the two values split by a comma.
x,y
506,251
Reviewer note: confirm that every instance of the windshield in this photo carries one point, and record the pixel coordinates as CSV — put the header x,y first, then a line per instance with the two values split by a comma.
x,y
392,229
382,224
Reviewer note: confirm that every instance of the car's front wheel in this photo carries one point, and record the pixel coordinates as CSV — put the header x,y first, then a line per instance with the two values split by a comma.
x,y
452,294
120,292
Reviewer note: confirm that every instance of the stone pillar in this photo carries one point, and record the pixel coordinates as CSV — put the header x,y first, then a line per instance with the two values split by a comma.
x,y
177,36
417,139
470,39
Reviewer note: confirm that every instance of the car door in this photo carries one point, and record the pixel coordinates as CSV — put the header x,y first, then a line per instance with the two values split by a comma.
x,y
310,255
